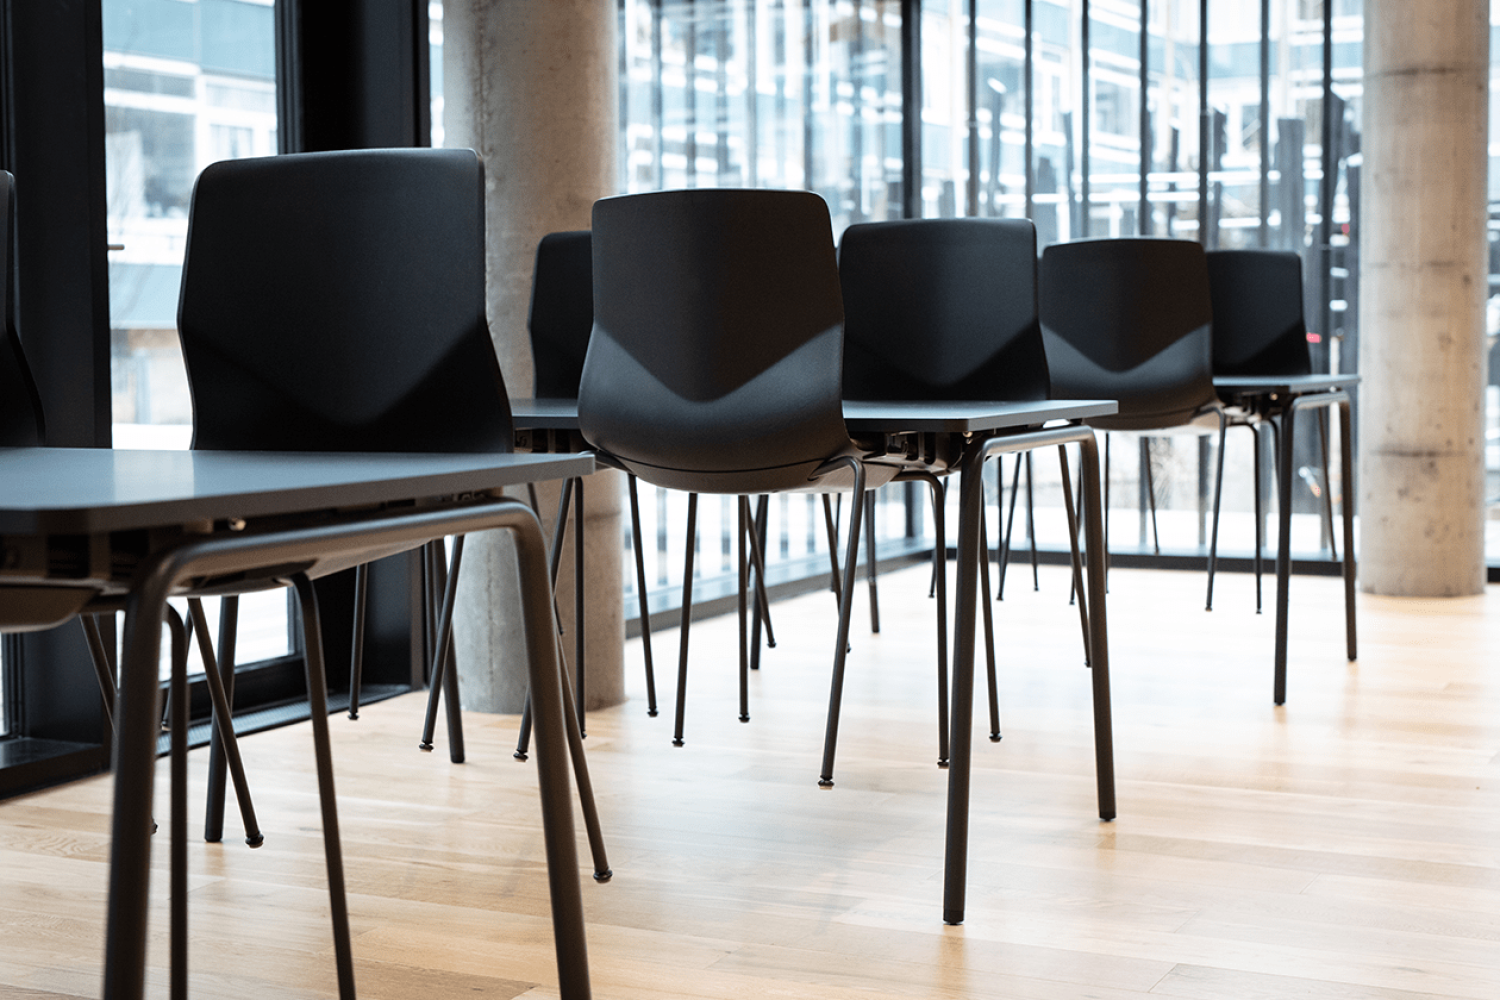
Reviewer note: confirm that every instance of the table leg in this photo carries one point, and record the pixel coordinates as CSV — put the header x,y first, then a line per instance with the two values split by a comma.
x,y
1283,546
961,693
135,771
1104,759
552,757
961,726
1346,457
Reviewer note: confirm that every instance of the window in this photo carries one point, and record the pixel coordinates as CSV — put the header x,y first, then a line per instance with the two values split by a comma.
x,y
185,84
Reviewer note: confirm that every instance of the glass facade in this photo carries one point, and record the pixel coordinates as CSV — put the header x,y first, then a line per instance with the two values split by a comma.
x,y
185,84
1234,124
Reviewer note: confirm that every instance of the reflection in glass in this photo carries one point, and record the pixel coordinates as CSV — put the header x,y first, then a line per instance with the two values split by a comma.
x,y
185,84
801,94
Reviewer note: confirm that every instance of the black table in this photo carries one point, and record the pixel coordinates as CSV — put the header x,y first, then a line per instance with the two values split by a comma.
x,y
149,524
1283,397
972,432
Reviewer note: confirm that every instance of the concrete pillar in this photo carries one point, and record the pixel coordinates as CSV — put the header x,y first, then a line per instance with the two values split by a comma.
x,y
533,87
1422,297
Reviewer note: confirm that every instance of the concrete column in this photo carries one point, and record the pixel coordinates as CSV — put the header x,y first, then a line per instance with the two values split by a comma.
x,y
533,87
1422,297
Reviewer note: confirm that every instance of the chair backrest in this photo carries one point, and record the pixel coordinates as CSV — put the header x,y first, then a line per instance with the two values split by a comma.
x,y
562,312
1259,326
335,302
1130,320
715,361
942,309
21,423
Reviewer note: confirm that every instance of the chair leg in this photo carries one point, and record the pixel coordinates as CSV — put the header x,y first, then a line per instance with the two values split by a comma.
x,y
357,642
989,627
1106,497
638,544
178,726
1150,484
1083,610
1259,520
832,528
554,560
841,649
687,619
1036,580
222,724
940,585
1346,473
871,562
742,529
1333,549
762,600
317,687
102,670
444,682
1213,544
1010,527
579,632
602,872
218,766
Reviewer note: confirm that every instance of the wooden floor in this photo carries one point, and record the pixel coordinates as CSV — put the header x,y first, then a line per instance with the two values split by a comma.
x,y
1345,846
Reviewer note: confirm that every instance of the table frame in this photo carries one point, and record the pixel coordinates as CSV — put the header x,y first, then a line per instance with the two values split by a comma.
x,y
1301,392
985,429
192,538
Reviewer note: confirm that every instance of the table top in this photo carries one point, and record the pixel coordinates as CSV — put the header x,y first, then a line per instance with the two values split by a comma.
x,y
968,416
963,417
1289,385
49,491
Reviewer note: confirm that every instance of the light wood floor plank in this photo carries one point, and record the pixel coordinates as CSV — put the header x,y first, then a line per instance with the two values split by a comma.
x,y
1346,845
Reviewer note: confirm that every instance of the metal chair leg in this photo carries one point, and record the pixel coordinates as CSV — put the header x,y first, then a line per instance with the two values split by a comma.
x,y
1333,549
762,601
357,642
989,626
222,723
872,569
1036,580
580,678
1151,492
742,529
1213,545
554,561
687,618
100,658
832,528
1260,527
1010,527
218,765
939,493
444,682
856,509
585,792
638,544
1083,610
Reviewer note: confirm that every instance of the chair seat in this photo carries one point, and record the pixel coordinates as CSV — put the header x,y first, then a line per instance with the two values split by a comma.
x,y
36,609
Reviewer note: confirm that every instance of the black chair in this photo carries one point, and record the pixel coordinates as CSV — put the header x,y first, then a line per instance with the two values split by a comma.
x,y
22,425
1260,329
28,609
943,309
335,302
560,320
1131,320
715,364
